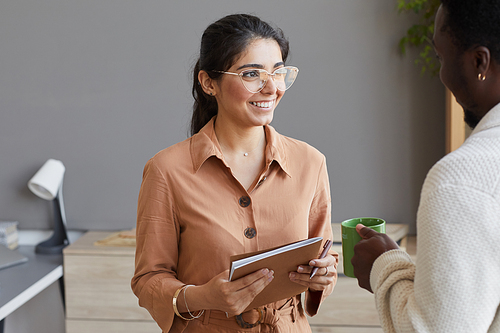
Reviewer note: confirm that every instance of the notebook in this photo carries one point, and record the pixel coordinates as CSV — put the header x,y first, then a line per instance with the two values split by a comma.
x,y
282,260
10,257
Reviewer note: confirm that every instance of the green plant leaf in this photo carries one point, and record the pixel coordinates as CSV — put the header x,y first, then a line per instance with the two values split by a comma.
x,y
420,35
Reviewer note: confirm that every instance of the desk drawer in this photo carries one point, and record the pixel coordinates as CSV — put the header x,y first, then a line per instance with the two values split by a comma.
x,y
98,287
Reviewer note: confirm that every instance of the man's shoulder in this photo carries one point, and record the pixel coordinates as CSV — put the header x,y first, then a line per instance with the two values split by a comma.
x,y
475,164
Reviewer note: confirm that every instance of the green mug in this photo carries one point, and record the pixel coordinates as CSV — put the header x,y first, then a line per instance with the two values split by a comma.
x,y
350,237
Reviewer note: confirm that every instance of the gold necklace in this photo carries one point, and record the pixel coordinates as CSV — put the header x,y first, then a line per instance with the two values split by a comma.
x,y
258,145
245,154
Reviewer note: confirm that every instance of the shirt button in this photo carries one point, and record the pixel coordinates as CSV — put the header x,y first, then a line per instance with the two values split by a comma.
x,y
244,201
250,233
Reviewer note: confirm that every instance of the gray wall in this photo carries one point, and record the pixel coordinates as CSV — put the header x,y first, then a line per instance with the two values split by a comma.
x,y
104,84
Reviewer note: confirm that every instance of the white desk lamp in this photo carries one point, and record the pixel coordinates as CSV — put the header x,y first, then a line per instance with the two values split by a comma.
x,y
47,184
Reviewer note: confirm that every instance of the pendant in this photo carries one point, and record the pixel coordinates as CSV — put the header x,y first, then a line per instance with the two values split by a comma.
x,y
245,154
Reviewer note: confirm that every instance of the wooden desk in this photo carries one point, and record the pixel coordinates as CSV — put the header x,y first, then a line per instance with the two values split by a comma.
x,y
99,298
20,283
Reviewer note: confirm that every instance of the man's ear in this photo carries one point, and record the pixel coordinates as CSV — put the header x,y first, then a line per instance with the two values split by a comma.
x,y
482,59
207,83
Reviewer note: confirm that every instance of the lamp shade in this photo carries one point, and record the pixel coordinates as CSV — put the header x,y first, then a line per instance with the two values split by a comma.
x,y
47,181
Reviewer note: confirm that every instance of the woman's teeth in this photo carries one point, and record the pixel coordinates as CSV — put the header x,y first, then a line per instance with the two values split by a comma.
x,y
263,104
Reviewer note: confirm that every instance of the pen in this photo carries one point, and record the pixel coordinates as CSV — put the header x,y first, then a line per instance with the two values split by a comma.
x,y
326,247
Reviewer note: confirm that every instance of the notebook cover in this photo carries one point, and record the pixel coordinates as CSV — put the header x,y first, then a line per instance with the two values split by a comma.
x,y
282,264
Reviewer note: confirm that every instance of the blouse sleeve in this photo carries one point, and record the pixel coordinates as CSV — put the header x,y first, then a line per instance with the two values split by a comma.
x,y
320,225
155,279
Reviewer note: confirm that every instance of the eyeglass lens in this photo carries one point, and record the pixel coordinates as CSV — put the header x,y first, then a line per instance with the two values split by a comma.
x,y
255,79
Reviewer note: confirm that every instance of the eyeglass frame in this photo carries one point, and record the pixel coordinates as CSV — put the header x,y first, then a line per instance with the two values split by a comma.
x,y
260,69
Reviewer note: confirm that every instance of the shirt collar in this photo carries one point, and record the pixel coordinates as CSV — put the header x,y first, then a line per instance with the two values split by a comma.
x,y
490,119
204,145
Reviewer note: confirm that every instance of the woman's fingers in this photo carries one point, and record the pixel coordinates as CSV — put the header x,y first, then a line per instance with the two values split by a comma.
x,y
251,280
320,281
327,261
324,276
244,290
322,271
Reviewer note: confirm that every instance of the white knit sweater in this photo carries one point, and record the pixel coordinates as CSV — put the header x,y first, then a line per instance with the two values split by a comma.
x,y
455,284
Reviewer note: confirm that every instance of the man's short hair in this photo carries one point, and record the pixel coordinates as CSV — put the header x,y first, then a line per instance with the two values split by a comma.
x,y
473,23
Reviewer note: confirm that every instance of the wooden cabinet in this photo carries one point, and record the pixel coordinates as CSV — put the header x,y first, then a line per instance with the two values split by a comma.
x,y
97,287
456,129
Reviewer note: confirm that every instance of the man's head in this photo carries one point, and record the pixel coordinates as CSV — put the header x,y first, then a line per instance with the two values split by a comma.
x,y
467,42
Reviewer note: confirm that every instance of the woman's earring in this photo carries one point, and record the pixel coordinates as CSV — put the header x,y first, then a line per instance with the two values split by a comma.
x,y
211,94
481,77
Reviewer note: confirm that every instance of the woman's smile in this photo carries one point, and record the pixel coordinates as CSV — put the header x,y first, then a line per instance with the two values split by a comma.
x,y
264,104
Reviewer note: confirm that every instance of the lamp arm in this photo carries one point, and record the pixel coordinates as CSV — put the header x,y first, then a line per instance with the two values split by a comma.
x,y
59,239
61,205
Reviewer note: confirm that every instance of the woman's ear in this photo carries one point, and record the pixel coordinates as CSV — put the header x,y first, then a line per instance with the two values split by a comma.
x,y
207,83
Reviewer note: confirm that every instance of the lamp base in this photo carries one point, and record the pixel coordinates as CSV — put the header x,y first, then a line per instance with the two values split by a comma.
x,y
51,246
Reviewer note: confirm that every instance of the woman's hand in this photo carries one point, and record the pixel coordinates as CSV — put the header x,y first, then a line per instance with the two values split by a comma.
x,y
325,276
231,297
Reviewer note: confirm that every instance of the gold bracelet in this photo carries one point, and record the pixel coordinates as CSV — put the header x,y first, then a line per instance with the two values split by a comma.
x,y
174,302
200,312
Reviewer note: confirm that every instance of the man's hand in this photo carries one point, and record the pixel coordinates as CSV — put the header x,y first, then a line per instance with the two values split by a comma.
x,y
371,246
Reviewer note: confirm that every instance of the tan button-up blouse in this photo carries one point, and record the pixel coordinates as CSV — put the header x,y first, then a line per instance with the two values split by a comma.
x,y
193,214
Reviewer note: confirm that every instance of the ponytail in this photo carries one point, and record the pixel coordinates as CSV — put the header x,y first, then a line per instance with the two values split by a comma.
x,y
204,107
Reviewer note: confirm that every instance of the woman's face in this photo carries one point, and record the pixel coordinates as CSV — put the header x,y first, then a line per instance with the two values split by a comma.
x,y
235,103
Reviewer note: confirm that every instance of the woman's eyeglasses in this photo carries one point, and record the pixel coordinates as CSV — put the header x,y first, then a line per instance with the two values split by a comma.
x,y
254,80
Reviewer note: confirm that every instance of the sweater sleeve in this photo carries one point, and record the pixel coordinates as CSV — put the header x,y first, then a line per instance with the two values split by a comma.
x,y
454,285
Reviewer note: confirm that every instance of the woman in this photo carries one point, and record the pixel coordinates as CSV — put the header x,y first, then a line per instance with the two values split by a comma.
x,y
235,186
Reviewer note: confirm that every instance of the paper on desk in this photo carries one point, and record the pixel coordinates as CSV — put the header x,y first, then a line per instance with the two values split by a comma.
x,y
120,238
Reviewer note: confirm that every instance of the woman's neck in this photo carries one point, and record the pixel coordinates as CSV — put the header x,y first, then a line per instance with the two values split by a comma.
x,y
238,141
243,151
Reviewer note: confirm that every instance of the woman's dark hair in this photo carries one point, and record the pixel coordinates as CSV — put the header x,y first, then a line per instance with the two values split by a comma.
x,y
474,22
221,44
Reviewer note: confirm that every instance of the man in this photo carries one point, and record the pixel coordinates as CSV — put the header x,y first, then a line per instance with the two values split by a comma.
x,y
455,284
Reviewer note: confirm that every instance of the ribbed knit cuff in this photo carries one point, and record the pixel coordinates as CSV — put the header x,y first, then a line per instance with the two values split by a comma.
x,y
382,261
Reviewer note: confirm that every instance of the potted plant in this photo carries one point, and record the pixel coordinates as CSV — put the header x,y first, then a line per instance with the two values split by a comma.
x,y
420,34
